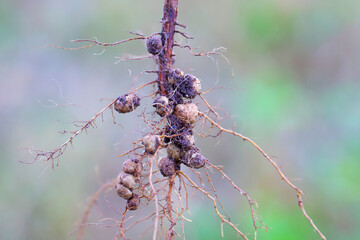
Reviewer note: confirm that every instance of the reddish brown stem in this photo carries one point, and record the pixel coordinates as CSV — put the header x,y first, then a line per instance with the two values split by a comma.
x,y
169,208
167,37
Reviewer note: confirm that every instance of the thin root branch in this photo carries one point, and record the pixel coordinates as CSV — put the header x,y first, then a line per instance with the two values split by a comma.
x,y
299,193
91,204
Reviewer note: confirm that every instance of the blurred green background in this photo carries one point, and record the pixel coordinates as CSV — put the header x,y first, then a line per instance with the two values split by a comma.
x,y
295,91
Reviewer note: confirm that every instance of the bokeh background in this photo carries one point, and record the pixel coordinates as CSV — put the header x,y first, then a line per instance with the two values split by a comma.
x,y
295,90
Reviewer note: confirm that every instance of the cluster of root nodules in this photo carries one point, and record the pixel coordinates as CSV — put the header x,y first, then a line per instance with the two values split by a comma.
x,y
173,139
154,173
